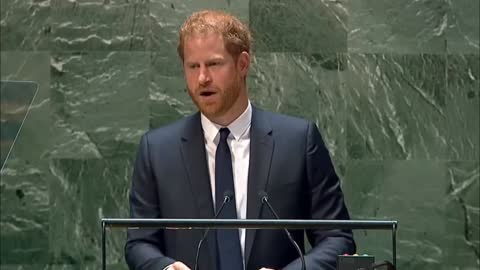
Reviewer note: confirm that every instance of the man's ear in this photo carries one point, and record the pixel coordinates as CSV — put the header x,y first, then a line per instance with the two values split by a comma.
x,y
243,63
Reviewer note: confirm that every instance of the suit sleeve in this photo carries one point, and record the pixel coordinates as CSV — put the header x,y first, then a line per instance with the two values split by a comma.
x,y
143,249
326,202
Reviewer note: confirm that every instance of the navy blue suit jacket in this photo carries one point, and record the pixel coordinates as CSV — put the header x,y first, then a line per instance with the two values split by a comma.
x,y
288,160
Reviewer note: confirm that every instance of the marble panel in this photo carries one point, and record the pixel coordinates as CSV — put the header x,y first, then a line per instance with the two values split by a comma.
x,y
82,192
25,25
299,26
396,106
101,99
463,27
94,25
463,106
385,26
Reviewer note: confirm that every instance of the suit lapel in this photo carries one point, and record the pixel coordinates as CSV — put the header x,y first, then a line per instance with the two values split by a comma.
x,y
261,149
195,160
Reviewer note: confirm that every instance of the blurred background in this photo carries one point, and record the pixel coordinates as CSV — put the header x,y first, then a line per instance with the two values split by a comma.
x,y
392,85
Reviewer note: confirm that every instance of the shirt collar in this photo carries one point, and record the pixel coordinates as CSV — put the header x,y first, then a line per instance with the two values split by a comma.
x,y
238,128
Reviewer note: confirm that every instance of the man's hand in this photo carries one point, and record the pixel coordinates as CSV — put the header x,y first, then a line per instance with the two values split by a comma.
x,y
178,266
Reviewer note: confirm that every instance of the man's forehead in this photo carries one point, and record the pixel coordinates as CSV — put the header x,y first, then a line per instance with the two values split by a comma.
x,y
211,41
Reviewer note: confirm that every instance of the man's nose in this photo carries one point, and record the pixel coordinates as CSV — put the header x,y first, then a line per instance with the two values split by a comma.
x,y
204,76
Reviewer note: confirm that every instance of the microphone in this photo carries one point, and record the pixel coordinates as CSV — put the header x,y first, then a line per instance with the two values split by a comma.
x,y
227,197
264,197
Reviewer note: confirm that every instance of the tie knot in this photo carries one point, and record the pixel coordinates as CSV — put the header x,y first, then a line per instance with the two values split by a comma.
x,y
224,134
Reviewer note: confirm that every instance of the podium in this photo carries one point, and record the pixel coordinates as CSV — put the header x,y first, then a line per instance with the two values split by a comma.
x,y
189,224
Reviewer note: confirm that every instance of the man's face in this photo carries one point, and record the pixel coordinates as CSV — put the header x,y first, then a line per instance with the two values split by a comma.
x,y
214,79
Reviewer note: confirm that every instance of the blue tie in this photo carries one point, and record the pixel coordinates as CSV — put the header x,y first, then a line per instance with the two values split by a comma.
x,y
228,240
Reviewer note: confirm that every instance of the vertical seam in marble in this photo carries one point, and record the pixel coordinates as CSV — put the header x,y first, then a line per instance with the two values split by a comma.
x,y
466,219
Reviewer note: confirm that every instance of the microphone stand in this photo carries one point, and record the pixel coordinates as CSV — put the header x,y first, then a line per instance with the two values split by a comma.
x,y
264,199
227,197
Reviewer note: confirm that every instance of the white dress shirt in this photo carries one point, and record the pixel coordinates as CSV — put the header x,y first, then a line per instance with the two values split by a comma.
x,y
239,142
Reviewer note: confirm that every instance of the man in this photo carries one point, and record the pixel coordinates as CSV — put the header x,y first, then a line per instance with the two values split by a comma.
x,y
184,170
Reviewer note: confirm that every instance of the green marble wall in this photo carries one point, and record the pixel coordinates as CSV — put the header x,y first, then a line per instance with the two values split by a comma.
x,y
393,85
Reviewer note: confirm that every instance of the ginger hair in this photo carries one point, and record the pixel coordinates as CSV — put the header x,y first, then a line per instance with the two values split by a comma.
x,y
236,35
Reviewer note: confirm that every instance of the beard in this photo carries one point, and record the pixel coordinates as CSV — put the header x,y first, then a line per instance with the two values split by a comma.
x,y
218,104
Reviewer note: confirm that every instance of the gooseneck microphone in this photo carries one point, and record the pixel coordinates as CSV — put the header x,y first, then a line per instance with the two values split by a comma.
x,y
227,197
264,197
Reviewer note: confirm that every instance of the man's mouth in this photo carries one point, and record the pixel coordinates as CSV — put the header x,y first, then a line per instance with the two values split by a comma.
x,y
207,93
